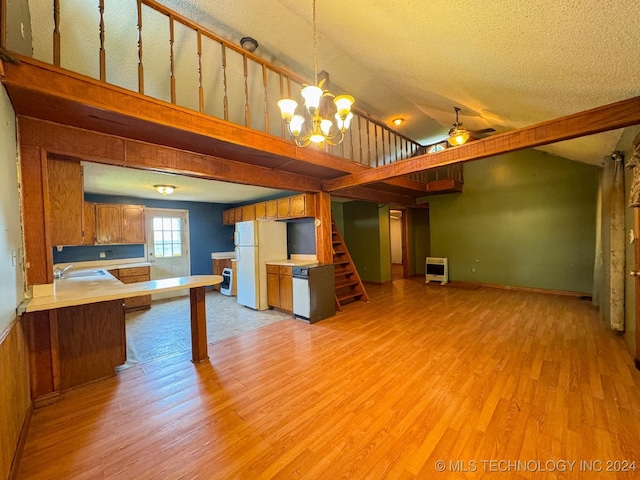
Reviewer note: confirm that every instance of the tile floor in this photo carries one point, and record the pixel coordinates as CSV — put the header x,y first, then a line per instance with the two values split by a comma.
x,y
165,330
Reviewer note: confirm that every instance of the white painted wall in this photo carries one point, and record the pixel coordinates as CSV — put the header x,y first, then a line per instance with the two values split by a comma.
x,y
11,276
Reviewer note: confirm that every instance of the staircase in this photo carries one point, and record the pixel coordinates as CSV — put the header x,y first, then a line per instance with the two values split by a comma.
x,y
349,287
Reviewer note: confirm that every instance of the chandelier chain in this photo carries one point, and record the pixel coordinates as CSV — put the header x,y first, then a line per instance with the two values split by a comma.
x,y
315,46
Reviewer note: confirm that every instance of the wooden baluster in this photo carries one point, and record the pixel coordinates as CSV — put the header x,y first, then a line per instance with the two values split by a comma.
x,y
103,57
224,82
360,137
368,143
282,125
172,70
375,140
200,87
56,33
247,113
3,23
140,66
265,82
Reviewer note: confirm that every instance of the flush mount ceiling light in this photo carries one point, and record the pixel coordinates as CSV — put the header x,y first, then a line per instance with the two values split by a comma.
x,y
164,189
249,44
321,128
397,121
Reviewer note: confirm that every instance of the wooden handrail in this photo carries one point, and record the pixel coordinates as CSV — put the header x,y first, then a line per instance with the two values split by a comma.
x,y
376,144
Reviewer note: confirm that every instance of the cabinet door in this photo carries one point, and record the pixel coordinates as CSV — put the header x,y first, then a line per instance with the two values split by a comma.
x,y
237,214
272,209
108,223
248,213
66,187
89,223
297,205
133,228
273,290
261,211
284,209
286,293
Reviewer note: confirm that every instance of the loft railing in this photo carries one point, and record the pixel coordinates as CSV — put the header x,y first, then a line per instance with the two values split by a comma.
x,y
144,46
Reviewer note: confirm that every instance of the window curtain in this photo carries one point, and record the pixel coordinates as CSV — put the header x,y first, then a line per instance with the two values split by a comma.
x,y
609,265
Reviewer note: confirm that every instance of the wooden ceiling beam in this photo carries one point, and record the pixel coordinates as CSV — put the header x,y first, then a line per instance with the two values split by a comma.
x,y
110,150
377,196
601,119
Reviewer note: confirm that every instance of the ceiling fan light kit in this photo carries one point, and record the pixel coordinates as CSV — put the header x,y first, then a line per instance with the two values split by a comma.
x,y
459,134
320,130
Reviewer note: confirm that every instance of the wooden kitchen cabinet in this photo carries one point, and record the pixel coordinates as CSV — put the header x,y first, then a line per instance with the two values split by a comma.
x,y
66,197
248,212
280,287
117,223
272,209
261,211
302,205
89,223
91,342
237,214
228,216
134,275
284,207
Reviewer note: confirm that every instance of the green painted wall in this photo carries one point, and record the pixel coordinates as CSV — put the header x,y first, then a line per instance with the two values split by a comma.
x,y
384,231
524,219
361,234
420,236
338,216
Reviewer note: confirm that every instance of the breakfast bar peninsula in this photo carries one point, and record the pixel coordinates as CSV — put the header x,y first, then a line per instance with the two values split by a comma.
x,y
86,336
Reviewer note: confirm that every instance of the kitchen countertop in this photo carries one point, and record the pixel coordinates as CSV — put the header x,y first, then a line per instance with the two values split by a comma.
x,y
292,263
107,264
93,287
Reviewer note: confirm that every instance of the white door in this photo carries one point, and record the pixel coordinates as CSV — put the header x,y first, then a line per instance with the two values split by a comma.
x,y
168,246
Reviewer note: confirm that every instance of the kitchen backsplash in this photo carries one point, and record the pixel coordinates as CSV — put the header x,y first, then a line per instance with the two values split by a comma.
x,y
92,252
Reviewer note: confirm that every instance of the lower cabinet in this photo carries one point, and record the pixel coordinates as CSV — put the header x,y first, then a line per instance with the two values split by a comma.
x,y
280,287
91,342
134,275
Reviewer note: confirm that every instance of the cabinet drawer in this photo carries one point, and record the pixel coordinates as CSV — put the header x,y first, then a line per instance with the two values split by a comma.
x,y
143,301
134,271
134,279
285,270
273,269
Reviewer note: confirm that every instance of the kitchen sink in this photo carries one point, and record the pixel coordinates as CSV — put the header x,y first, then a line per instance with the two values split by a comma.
x,y
85,273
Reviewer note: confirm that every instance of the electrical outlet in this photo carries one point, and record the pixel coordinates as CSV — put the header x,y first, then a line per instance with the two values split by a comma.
x,y
103,254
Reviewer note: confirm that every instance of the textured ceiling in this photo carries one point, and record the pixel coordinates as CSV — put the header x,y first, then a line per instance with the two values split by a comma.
x,y
506,63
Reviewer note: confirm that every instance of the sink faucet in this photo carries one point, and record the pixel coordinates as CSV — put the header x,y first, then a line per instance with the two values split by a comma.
x,y
57,273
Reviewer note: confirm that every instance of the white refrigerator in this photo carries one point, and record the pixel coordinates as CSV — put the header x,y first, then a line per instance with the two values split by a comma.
x,y
256,244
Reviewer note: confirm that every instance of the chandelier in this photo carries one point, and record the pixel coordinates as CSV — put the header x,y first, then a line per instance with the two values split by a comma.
x,y
321,128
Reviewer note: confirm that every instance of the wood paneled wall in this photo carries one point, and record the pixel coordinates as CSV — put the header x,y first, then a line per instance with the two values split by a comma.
x,y
15,398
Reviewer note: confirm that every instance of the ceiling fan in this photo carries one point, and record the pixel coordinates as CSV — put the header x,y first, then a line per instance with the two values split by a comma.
x,y
459,134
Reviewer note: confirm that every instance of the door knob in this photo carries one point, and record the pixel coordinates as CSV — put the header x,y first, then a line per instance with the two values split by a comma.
x,y
634,273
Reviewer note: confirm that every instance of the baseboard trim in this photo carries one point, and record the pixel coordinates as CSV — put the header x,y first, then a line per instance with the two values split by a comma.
x,y
22,439
47,399
565,293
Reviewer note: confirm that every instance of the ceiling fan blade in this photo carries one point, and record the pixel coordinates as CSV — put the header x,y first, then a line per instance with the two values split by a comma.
x,y
484,130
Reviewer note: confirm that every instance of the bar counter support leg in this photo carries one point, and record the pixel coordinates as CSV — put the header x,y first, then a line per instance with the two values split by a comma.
x,y
198,325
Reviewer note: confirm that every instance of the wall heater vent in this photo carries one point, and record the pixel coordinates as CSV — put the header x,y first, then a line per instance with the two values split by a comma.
x,y
436,270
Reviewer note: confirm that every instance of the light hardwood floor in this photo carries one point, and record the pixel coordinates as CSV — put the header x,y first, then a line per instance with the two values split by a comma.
x,y
381,391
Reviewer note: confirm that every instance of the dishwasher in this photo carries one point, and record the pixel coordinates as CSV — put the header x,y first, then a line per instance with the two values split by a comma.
x,y
314,293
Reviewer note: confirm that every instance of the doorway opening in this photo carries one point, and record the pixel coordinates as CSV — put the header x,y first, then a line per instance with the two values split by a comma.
x,y
168,246
397,229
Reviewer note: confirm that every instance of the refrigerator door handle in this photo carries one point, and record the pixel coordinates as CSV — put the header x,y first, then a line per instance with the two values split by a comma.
x,y
237,255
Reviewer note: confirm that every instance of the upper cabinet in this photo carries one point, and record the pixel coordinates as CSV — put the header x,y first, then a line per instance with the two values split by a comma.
x,y
302,205
119,223
89,224
65,203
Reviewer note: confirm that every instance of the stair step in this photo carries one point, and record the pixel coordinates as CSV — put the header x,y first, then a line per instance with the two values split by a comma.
x,y
351,296
348,283
341,262
346,273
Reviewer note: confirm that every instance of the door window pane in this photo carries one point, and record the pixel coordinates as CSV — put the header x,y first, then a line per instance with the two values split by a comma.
x,y
167,236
